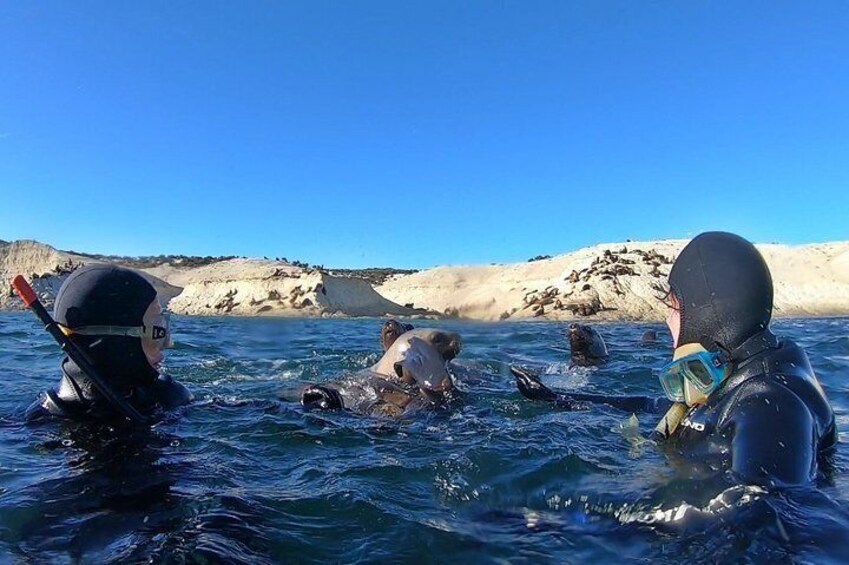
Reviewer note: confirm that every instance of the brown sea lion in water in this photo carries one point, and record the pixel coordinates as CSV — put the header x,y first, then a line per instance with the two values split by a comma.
x,y
587,345
588,349
392,330
411,374
649,337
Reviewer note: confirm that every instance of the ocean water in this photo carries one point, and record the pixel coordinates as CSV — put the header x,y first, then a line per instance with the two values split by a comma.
x,y
244,476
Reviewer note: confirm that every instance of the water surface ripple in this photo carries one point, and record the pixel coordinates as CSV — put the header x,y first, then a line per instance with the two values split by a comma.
x,y
243,476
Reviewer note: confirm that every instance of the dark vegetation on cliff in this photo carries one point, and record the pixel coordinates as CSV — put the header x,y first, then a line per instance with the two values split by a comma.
x,y
374,275
151,261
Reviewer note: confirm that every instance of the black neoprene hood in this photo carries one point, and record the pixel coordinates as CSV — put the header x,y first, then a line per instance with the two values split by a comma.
x,y
106,295
103,295
724,289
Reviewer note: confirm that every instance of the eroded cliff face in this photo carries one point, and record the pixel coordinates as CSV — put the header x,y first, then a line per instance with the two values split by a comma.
x,y
250,287
245,287
619,281
604,282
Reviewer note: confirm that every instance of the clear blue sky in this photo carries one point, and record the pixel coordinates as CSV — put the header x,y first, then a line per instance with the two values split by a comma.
x,y
413,134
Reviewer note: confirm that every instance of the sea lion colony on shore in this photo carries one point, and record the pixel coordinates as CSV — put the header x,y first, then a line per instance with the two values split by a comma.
x,y
580,297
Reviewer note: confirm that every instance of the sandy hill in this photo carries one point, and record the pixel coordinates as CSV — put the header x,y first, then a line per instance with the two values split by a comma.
x,y
603,282
258,286
614,282
235,286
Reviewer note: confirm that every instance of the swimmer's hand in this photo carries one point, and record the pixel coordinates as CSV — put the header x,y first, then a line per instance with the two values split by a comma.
x,y
317,397
531,387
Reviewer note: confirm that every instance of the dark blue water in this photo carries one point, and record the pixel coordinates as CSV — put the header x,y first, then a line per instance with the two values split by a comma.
x,y
242,476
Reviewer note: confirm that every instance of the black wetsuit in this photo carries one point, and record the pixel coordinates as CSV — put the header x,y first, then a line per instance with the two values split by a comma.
x,y
106,295
768,423
76,398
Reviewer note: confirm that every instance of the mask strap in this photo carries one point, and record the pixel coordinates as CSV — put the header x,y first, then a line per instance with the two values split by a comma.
x,y
756,344
724,354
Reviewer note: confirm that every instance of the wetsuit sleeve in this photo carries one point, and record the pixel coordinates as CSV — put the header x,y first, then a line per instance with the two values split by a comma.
x,y
627,403
530,386
773,438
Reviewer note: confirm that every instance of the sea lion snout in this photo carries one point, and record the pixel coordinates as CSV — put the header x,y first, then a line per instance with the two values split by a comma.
x,y
437,382
424,365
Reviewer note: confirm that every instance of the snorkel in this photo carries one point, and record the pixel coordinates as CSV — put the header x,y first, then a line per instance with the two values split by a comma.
x,y
75,353
688,380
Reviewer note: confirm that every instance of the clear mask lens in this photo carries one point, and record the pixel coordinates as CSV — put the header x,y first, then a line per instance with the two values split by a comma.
x,y
672,382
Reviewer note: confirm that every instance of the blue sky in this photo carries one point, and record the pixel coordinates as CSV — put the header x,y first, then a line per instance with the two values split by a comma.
x,y
413,134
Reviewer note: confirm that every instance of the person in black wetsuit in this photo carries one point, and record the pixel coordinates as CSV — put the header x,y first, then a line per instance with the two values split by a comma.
x,y
741,399
114,315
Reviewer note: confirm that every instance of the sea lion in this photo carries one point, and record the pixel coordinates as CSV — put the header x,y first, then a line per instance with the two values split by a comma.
x,y
588,347
649,337
411,374
448,344
392,330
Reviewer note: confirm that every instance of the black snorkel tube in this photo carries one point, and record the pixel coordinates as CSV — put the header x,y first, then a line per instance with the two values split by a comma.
x,y
73,351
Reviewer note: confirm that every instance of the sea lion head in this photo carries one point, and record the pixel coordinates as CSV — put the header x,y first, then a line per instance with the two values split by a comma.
x,y
649,337
392,330
588,347
418,356
423,365
448,344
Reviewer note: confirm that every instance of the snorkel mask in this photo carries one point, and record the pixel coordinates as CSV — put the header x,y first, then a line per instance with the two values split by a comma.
x,y
693,374
158,331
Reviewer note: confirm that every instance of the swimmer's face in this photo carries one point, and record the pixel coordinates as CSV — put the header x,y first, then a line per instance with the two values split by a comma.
x,y
153,348
673,320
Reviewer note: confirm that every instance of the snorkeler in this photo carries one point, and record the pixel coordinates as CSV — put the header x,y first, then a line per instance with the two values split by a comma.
x,y
740,400
112,315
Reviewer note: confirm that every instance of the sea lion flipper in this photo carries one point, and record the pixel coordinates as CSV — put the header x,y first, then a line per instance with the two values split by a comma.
x,y
531,387
317,397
